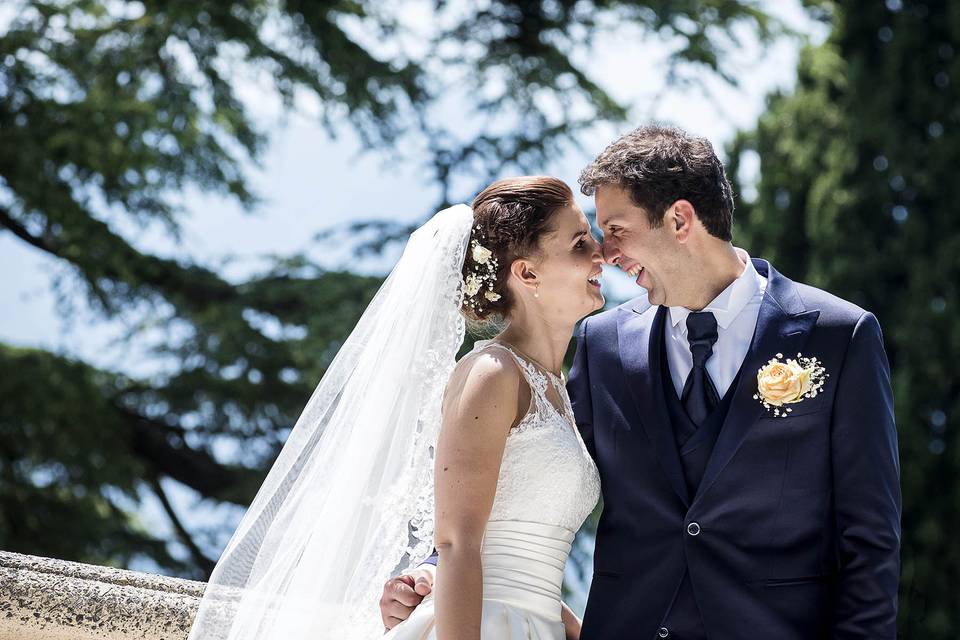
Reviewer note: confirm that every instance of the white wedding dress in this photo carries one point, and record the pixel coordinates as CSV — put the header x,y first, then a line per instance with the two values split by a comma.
x,y
547,486
349,501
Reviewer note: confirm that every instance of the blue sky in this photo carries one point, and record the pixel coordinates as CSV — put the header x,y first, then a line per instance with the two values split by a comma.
x,y
311,181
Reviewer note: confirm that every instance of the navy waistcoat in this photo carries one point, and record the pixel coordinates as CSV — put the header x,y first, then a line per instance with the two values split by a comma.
x,y
683,619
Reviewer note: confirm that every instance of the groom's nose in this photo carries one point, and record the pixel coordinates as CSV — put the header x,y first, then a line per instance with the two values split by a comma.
x,y
611,252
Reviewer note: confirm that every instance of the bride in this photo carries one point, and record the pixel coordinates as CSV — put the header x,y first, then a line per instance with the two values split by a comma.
x,y
402,449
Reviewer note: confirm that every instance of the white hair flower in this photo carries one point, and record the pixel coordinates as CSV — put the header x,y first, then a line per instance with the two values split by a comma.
x,y
471,285
484,274
480,253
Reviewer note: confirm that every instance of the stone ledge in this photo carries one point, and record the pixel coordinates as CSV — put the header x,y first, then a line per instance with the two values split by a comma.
x,y
48,599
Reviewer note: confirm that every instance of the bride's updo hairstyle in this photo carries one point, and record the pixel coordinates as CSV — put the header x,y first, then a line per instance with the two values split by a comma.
x,y
509,217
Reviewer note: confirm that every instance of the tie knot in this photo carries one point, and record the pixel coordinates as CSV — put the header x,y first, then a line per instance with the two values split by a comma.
x,y
701,329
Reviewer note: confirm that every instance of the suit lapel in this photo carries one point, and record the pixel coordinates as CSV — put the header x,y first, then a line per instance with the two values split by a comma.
x,y
783,327
639,335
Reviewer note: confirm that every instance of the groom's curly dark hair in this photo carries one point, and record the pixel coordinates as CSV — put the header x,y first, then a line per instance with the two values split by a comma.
x,y
659,165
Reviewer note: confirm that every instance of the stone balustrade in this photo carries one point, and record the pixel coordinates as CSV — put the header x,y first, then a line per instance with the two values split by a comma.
x,y
48,599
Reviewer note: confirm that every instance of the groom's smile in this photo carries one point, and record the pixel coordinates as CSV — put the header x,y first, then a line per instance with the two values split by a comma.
x,y
634,272
613,256
632,268
627,235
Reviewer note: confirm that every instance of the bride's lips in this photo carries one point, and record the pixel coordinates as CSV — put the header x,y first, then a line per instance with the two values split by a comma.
x,y
594,279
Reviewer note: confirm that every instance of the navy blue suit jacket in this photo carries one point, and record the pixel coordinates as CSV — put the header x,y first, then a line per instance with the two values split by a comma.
x,y
799,517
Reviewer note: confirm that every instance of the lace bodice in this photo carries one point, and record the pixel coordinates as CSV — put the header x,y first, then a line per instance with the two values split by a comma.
x,y
547,486
547,474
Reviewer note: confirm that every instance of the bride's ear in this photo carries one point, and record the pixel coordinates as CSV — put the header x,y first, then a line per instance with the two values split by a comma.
x,y
524,275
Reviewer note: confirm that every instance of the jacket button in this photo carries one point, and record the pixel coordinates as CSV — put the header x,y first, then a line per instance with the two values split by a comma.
x,y
693,529
663,632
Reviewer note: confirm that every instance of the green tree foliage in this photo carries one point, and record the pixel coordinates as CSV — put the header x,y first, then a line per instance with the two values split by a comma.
x,y
110,109
858,194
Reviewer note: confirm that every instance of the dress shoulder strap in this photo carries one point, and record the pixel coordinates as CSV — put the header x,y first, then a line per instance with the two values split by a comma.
x,y
535,378
539,381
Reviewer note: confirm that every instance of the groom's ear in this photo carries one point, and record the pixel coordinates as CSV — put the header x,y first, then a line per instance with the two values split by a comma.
x,y
680,218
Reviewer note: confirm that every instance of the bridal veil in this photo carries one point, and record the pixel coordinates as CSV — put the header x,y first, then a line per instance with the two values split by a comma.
x,y
349,501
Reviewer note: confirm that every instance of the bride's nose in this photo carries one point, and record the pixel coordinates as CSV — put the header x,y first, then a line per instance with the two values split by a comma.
x,y
597,254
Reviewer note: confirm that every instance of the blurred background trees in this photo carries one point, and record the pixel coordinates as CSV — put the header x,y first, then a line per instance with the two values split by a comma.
x,y
858,194
110,110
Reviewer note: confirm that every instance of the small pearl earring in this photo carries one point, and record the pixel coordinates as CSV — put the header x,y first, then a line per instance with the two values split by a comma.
x,y
536,293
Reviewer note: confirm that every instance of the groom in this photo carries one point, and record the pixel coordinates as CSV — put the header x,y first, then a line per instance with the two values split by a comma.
x,y
742,424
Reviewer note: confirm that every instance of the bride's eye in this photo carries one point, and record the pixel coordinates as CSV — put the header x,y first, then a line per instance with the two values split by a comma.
x,y
579,244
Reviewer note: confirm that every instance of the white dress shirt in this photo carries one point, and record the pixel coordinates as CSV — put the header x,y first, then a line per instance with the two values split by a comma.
x,y
736,310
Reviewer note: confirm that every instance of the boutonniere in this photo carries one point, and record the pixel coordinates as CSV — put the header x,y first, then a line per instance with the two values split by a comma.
x,y
783,383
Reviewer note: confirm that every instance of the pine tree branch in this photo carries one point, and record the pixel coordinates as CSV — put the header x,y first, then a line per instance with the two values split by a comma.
x,y
189,288
205,563
21,232
164,448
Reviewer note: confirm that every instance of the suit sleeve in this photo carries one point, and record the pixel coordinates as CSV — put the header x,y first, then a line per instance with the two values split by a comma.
x,y
432,559
867,501
578,387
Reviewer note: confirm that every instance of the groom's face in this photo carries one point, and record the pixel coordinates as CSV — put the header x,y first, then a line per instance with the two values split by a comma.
x,y
649,254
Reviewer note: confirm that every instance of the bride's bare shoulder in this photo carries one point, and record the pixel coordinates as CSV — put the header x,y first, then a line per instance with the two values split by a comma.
x,y
483,377
490,367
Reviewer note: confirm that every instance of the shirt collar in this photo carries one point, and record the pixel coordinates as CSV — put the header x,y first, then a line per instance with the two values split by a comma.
x,y
731,301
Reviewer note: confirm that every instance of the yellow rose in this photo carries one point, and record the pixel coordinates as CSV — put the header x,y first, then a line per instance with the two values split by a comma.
x,y
782,383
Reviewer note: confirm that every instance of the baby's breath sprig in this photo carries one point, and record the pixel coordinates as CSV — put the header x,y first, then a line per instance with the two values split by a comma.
x,y
483,275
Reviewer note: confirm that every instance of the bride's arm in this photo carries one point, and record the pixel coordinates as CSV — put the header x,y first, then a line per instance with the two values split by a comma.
x,y
571,623
479,408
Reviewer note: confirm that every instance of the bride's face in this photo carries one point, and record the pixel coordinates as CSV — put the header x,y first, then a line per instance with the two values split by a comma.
x,y
568,268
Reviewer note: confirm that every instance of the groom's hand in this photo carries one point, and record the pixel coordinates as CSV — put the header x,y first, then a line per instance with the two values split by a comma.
x,y
402,594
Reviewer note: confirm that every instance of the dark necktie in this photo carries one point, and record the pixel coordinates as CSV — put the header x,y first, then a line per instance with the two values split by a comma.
x,y
699,396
